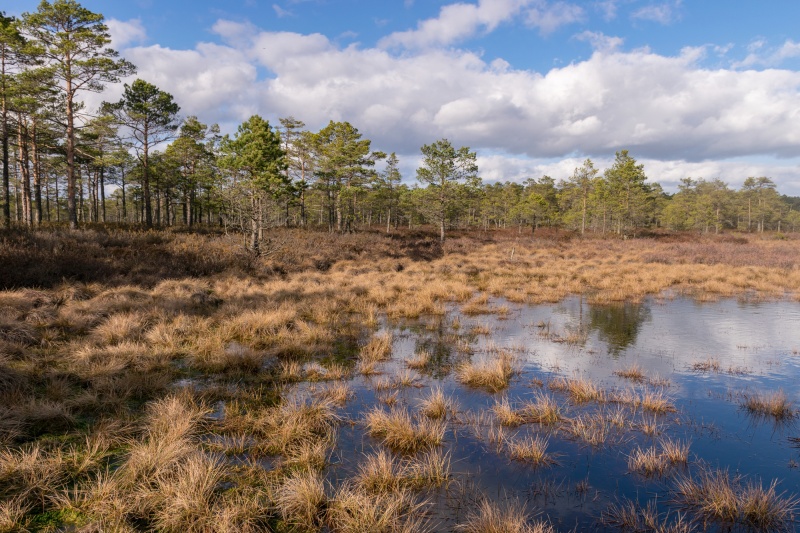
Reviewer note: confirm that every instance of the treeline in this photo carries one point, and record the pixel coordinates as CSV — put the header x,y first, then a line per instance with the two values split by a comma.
x,y
59,159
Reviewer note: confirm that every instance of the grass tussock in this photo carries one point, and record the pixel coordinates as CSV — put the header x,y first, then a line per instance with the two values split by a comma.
x,y
713,496
436,405
383,473
580,390
629,515
379,348
633,373
775,405
301,500
657,460
510,517
492,375
419,361
354,510
543,409
530,449
400,432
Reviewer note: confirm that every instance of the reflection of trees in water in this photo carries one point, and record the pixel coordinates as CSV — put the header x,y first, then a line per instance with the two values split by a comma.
x,y
440,342
618,325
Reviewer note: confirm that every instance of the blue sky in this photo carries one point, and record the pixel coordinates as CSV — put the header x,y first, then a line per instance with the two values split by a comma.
x,y
704,88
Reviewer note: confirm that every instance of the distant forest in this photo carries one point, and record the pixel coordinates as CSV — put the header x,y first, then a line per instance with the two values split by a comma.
x,y
59,159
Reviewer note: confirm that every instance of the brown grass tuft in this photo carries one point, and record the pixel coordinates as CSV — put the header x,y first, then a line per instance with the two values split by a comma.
x,y
491,374
511,517
400,433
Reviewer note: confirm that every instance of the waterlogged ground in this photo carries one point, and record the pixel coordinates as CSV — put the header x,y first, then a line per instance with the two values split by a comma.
x,y
706,359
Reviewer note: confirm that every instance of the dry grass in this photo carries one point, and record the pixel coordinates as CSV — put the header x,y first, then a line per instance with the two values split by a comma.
x,y
506,414
379,348
353,510
543,409
594,429
401,433
436,405
531,449
511,517
383,473
775,405
580,390
492,374
419,361
633,373
121,316
651,401
716,497
629,515
301,499
708,365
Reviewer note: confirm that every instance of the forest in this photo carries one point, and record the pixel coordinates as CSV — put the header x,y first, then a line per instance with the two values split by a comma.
x,y
138,161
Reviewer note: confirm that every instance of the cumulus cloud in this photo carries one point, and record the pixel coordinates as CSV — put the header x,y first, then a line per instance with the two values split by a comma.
x,y
661,108
600,41
126,32
665,13
760,55
459,21
550,17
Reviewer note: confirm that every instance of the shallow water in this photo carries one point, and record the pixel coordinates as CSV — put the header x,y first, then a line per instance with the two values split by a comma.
x,y
756,346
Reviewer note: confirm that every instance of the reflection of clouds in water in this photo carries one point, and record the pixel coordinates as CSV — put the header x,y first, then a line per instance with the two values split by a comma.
x,y
665,338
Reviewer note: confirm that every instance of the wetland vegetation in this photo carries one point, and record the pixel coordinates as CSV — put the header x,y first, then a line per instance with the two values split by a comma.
x,y
357,382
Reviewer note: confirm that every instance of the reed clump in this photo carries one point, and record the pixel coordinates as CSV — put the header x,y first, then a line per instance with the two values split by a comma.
x,y
509,517
436,405
400,432
493,374
775,405
714,496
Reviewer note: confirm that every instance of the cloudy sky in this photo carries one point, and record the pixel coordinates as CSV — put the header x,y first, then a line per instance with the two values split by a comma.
x,y
701,88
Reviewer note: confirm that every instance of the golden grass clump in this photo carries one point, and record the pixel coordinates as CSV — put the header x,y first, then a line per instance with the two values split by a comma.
x,y
296,420
492,375
183,497
505,413
531,449
379,348
593,429
580,390
511,517
419,361
715,497
301,500
629,515
436,405
633,373
401,433
543,409
656,402
776,405
354,510
381,472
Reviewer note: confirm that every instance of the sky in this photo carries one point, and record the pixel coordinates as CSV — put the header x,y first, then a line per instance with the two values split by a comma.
x,y
691,88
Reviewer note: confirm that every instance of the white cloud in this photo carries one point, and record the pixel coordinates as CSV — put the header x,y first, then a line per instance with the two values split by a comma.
x,y
124,33
661,108
281,12
460,21
550,17
600,41
665,13
608,8
760,55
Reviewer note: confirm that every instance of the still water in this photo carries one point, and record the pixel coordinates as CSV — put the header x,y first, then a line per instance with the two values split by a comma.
x,y
706,357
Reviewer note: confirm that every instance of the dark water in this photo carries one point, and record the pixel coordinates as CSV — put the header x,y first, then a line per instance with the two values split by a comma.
x,y
756,347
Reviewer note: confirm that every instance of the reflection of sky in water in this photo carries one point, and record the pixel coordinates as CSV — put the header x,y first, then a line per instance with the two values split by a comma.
x,y
664,338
